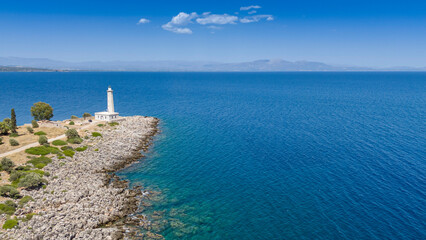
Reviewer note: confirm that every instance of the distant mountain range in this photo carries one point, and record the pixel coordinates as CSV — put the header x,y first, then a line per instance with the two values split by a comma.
x,y
44,64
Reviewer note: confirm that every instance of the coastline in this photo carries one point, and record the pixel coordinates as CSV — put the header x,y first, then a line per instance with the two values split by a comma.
x,y
84,198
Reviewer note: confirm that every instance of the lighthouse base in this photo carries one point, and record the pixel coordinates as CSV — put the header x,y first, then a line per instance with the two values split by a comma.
x,y
106,116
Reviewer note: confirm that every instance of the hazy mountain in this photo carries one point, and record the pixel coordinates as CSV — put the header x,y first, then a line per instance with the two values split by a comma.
x,y
255,66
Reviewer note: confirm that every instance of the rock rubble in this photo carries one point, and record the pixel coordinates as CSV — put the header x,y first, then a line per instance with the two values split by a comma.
x,y
84,197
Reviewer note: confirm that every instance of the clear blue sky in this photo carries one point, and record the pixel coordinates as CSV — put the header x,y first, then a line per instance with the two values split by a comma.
x,y
366,33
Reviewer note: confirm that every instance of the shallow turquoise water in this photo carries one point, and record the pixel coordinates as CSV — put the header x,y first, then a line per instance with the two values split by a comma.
x,y
264,155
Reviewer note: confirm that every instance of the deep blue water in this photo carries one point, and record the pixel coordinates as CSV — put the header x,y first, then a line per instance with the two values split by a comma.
x,y
264,155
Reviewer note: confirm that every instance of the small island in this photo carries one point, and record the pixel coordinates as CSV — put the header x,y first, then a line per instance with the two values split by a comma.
x,y
57,177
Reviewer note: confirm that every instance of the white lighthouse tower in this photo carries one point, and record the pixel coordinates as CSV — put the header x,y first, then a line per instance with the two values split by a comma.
x,y
110,114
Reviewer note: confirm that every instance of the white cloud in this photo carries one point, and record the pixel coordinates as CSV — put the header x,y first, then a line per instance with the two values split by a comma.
x,y
181,19
250,7
252,12
143,21
256,18
219,19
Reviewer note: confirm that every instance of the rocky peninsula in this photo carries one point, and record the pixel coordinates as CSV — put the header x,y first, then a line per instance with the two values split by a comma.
x,y
84,199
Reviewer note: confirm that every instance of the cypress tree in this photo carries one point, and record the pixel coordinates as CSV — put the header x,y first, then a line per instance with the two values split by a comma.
x,y
13,121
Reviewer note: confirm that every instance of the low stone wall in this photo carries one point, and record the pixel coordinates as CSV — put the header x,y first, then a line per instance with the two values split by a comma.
x,y
82,196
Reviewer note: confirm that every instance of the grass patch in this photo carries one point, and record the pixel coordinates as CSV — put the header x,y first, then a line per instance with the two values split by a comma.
x,y
69,153
101,125
9,224
24,200
42,150
40,162
59,143
75,140
39,133
96,134
81,149
112,124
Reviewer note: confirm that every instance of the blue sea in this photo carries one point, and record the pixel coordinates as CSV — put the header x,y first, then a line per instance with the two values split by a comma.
x,y
263,155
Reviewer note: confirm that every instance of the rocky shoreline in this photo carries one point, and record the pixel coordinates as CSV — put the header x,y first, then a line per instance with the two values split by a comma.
x,y
84,199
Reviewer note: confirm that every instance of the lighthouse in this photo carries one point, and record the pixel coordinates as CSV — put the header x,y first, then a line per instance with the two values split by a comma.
x,y
110,114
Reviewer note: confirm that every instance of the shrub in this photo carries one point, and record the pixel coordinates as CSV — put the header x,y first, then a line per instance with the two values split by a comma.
x,y
101,125
40,162
59,143
10,223
42,150
34,124
96,150
86,115
75,140
81,149
41,111
31,180
72,133
9,191
23,168
74,117
1,140
13,142
112,124
96,134
69,153
42,140
28,217
25,200
71,123
40,133
66,148
7,209
14,135
30,129
4,128
15,175
7,165
61,157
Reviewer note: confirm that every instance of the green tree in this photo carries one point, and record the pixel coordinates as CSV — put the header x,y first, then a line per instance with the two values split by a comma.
x,y
13,126
4,129
41,111
86,115
31,180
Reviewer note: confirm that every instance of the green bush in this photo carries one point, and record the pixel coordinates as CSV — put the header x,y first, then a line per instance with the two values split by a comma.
x,y
7,165
66,148
25,200
61,157
75,140
42,140
23,168
72,133
72,123
1,140
39,133
69,153
28,217
34,124
112,124
13,142
31,180
30,129
101,125
9,191
81,149
74,117
15,175
14,135
42,150
86,115
97,149
59,143
10,223
96,134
